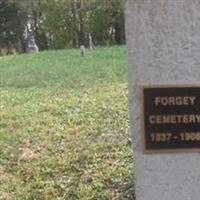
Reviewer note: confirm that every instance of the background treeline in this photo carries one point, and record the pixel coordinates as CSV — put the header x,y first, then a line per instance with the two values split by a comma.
x,y
57,24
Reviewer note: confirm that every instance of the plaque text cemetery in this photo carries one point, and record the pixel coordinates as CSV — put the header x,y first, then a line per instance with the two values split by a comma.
x,y
171,118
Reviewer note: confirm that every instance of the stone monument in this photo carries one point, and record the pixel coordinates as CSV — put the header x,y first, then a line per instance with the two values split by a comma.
x,y
163,38
31,46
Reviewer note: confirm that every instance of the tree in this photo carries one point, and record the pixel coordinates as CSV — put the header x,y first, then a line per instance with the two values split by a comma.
x,y
10,23
58,24
107,21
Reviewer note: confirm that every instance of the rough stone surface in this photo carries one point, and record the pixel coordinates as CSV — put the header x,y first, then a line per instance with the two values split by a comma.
x,y
163,38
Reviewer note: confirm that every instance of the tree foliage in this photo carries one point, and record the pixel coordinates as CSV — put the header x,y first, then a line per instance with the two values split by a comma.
x,y
61,23
9,23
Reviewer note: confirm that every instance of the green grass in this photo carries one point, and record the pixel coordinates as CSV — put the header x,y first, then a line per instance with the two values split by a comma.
x,y
64,126
64,68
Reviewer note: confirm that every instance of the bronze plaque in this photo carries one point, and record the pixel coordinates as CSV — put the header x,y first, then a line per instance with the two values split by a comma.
x,y
171,118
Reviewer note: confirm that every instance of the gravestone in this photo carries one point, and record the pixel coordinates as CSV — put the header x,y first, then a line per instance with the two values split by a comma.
x,y
31,46
163,38
82,50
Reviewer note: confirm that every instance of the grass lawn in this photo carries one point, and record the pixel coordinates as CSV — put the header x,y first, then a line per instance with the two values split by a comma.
x,y
64,126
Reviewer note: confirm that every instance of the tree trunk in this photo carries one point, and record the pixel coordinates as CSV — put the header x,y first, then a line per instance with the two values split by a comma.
x,y
74,39
82,27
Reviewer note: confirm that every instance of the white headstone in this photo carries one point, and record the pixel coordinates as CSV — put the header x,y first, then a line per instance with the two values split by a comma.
x,y
163,38
82,50
31,46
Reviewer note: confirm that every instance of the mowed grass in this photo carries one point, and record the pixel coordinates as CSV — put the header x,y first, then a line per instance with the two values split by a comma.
x,y
64,126
64,69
